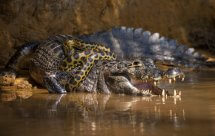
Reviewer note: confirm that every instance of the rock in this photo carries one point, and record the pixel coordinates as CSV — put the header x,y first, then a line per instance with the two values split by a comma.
x,y
15,84
22,83
7,78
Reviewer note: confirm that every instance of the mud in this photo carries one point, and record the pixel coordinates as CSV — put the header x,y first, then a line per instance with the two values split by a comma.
x,y
190,22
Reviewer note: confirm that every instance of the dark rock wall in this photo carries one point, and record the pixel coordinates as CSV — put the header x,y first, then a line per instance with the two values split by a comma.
x,y
191,22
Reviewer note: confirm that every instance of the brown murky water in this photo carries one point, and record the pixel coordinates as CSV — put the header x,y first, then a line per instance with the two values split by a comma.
x,y
93,114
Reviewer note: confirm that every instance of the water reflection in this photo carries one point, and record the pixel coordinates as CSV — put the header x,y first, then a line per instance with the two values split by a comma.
x,y
13,95
98,114
96,111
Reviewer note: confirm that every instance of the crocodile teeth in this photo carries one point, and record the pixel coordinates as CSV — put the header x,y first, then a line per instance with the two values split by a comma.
x,y
145,91
179,93
175,101
170,81
163,100
175,93
182,79
174,79
163,93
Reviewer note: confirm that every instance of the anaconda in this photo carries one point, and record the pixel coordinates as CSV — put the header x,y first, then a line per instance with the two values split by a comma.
x,y
81,57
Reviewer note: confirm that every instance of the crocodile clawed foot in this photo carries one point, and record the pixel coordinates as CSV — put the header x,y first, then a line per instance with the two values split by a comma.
x,y
53,85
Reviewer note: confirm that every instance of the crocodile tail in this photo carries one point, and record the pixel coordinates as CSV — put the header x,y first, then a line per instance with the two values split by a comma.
x,y
21,55
137,43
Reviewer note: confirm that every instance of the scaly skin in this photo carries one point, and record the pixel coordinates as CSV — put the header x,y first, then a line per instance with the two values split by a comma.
x,y
136,43
48,69
71,45
79,53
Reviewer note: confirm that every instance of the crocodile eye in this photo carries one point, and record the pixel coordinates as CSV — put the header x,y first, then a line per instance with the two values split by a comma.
x,y
136,63
114,56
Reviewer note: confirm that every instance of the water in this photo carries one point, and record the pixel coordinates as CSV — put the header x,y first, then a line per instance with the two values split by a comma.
x,y
40,113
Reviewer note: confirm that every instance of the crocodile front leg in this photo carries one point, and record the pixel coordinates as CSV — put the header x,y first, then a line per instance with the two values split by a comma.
x,y
53,86
102,86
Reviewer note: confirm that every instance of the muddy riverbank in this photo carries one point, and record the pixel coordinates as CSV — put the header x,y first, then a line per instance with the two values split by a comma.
x,y
190,22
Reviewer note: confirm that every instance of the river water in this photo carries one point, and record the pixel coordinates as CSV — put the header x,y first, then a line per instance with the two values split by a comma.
x,y
40,113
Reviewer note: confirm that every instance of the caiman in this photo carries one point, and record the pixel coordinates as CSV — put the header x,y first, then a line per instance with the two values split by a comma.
x,y
120,60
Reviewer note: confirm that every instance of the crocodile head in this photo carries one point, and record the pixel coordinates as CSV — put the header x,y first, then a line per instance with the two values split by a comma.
x,y
128,77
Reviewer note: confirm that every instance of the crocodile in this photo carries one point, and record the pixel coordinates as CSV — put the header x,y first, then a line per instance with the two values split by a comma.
x,y
53,64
